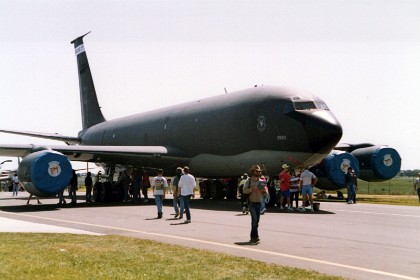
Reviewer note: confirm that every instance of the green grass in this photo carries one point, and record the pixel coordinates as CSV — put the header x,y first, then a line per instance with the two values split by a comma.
x,y
395,186
67,256
403,200
397,191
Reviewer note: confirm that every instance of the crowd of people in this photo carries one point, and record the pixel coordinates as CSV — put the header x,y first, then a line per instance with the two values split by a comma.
x,y
290,186
253,189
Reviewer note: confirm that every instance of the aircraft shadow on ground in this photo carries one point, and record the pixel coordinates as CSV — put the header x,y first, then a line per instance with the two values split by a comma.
x,y
198,203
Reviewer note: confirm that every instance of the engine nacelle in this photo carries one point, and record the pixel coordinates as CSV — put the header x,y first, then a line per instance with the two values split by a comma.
x,y
45,173
377,163
332,169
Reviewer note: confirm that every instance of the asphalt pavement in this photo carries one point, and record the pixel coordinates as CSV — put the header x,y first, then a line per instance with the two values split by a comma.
x,y
359,241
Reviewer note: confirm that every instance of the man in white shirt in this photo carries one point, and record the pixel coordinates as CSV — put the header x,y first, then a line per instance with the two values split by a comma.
x,y
186,189
307,181
159,184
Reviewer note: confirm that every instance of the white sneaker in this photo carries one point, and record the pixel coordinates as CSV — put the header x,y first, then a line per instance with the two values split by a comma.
x,y
302,209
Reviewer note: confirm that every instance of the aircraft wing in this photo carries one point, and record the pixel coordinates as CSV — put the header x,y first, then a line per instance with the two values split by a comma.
x,y
51,136
94,153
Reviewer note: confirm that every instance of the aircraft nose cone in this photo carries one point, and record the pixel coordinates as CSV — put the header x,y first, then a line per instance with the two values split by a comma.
x,y
323,131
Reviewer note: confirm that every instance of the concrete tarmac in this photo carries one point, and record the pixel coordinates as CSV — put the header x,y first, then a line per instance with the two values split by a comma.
x,y
360,241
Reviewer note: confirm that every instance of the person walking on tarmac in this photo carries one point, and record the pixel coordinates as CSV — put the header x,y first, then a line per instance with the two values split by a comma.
x,y
186,189
177,196
255,187
159,185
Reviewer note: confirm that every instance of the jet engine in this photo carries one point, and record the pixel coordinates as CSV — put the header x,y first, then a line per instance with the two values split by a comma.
x,y
372,163
331,170
377,163
45,173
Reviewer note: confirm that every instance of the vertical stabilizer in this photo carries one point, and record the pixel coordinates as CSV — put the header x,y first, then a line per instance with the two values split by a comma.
x,y
91,112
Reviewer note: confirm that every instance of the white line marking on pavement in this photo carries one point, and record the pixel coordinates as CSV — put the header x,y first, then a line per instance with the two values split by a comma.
x,y
236,247
379,213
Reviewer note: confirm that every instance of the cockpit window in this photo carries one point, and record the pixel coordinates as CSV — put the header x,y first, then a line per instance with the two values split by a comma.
x,y
322,105
288,107
305,105
310,105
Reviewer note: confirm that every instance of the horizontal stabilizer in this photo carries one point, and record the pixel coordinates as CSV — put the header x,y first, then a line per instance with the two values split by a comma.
x,y
51,136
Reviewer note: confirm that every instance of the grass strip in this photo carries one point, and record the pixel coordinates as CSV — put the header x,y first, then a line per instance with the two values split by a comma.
x,y
69,256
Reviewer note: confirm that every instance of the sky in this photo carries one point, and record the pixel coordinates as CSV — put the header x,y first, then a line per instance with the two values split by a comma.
x,y
361,57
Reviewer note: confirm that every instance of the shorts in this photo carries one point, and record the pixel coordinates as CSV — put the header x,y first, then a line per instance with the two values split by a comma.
x,y
285,193
307,189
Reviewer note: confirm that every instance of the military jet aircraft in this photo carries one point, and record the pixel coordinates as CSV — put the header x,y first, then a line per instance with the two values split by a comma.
x,y
217,137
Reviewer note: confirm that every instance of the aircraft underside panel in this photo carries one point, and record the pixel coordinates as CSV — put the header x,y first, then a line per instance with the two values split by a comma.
x,y
207,165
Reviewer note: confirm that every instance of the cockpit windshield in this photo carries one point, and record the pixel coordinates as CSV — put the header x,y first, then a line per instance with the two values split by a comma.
x,y
310,105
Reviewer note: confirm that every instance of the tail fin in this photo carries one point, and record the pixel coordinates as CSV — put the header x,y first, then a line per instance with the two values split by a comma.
x,y
91,112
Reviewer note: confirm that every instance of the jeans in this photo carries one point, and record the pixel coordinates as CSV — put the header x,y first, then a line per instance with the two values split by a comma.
x,y
88,194
15,189
351,192
126,196
254,210
61,197
175,204
136,193
73,195
186,200
159,202
181,205
262,208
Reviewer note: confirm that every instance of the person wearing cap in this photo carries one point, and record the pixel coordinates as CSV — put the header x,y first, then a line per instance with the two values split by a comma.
x,y
186,189
417,186
159,184
255,187
177,197
307,181
284,178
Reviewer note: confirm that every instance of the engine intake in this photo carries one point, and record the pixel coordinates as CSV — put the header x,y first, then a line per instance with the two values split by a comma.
x,y
377,163
45,173
332,169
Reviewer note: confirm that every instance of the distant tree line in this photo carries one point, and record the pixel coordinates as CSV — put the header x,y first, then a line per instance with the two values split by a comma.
x,y
410,173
